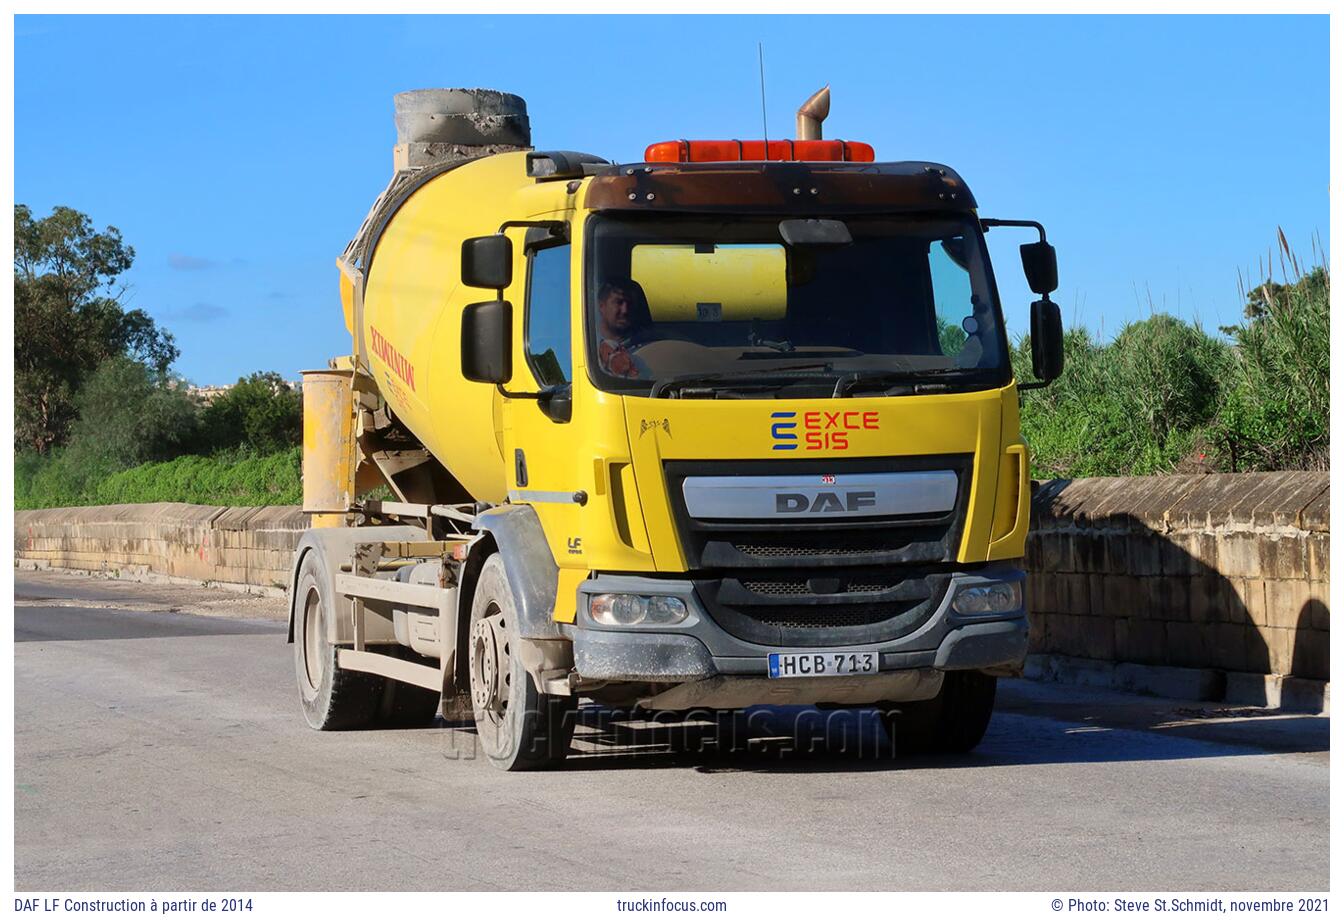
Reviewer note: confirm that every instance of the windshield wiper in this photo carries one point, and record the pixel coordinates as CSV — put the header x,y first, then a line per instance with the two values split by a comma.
x,y
890,377
774,345
755,339
763,375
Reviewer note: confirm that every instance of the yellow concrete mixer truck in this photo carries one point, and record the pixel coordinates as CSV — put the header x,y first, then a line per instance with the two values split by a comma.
x,y
732,425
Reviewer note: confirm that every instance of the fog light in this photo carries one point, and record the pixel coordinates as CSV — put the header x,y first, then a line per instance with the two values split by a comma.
x,y
1000,597
632,609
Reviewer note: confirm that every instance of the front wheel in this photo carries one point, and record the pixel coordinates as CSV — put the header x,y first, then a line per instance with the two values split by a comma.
x,y
953,722
520,728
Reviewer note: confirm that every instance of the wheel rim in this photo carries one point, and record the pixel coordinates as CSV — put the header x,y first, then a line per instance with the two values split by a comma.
x,y
489,668
314,642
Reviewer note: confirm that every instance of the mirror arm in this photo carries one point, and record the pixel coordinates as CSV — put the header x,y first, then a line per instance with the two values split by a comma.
x,y
521,394
987,222
1033,384
545,401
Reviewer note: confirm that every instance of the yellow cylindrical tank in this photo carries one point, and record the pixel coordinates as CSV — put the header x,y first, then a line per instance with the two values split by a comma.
x,y
413,302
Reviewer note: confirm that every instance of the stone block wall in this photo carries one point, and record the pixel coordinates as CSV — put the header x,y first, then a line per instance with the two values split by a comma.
x,y
1229,572
246,546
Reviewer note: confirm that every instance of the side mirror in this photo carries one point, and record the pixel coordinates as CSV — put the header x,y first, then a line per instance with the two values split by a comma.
x,y
1042,271
487,341
487,261
1047,340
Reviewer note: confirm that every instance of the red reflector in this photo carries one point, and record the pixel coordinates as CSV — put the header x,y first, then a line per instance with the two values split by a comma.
x,y
726,151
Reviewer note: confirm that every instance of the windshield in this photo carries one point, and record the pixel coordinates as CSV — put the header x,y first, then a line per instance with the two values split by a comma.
x,y
871,303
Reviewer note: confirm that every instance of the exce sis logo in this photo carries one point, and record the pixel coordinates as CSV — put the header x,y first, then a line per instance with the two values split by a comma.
x,y
820,430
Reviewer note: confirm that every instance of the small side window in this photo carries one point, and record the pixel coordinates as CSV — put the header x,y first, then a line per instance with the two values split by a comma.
x,y
953,302
548,343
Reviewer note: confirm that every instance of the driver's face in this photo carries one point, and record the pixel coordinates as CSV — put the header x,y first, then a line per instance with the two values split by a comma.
x,y
615,312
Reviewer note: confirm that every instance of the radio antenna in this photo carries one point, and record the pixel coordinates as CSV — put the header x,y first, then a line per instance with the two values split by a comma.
x,y
765,131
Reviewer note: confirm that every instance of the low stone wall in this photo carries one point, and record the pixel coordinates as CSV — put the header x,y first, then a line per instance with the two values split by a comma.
x,y
242,546
1226,572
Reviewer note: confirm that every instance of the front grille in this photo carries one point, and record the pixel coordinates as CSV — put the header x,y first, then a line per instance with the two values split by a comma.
x,y
915,541
818,587
822,544
810,584
779,610
831,618
777,588
834,542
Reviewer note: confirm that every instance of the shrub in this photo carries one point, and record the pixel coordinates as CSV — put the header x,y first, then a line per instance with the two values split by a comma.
x,y
1163,395
1134,406
269,479
54,479
237,479
1276,409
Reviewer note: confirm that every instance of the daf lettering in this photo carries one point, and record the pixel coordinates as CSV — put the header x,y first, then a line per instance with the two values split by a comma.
x,y
824,503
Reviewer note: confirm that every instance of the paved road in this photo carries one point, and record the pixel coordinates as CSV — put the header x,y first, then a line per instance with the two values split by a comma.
x,y
157,750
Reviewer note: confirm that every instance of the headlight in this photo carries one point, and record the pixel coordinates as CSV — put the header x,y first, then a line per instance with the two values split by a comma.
x,y
633,609
1000,597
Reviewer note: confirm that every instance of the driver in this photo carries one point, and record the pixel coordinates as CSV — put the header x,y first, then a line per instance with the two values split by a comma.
x,y
621,326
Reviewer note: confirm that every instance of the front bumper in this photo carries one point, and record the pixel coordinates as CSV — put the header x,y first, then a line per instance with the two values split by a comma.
x,y
698,648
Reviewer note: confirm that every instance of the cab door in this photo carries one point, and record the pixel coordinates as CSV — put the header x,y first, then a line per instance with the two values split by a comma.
x,y
543,447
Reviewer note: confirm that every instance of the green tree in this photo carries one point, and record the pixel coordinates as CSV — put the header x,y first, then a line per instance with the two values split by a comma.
x,y
130,414
68,319
261,413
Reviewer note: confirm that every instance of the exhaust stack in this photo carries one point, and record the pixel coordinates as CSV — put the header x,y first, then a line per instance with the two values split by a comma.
x,y
812,113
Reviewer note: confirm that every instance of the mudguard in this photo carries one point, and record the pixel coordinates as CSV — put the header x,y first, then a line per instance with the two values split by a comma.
x,y
528,564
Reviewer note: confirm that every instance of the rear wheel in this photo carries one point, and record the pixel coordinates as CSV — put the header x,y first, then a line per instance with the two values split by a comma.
x,y
407,705
953,722
332,697
520,728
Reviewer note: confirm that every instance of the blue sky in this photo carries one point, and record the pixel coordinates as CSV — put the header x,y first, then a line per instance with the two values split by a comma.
x,y
239,154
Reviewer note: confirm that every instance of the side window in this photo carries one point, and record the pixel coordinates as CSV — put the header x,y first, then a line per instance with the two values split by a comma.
x,y
951,293
548,349
967,330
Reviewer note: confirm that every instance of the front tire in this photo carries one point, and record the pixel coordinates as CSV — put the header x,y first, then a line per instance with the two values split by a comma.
x,y
332,697
520,728
953,722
